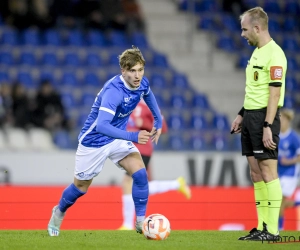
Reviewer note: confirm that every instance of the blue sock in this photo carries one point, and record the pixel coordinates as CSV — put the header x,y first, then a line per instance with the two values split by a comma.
x,y
69,196
280,223
297,203
140,191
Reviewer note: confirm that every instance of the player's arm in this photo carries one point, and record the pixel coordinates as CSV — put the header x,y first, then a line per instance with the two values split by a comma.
x,y
106,114
152,104
276,73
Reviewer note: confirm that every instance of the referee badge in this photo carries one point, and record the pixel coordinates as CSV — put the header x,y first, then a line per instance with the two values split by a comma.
x,y
255,76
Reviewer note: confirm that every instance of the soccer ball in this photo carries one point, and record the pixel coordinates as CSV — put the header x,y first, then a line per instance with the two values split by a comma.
x,y
156,227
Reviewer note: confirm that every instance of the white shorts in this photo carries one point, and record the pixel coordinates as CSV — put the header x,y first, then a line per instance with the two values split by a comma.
x,y
90,161
288,185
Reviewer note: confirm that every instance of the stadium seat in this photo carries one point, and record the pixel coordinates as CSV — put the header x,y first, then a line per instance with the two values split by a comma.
x,y
71,59
176,142
230,22
96,38
220,122
74,38
180,81
9,37
113,59
197,142
206,22
157,80
220,142
117,38
68,99
292,63
28,58
91,79
30,36
292,7
201,101
274,24
198,122
17,139
52,37
46,74
226,42
236,144
50,59
41,139
25,78
62,140
290,24
6,58
139,39
87,99
272,7
160,60
176,121
290,43
177,100
93,59
291,83
289,102
4,77
69,79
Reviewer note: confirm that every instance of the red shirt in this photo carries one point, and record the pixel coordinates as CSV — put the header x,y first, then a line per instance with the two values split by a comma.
x,y
141,119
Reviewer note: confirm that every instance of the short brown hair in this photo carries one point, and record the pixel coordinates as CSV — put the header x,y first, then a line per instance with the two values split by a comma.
x,y
257,15
130,57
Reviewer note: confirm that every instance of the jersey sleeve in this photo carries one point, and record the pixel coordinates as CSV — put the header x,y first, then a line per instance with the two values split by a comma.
x,y
152,104
111,99
277,67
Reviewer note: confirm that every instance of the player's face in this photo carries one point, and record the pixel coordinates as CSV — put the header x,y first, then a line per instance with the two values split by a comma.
x,y
249,32
133,76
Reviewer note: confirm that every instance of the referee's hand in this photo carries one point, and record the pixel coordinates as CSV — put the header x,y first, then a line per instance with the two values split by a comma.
x,y
236,126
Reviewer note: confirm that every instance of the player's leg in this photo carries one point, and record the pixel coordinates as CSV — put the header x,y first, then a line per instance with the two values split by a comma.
x,y
89,163
128,209
134,165
270,176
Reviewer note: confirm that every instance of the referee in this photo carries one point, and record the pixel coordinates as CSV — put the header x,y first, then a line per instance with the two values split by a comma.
x,y
259,121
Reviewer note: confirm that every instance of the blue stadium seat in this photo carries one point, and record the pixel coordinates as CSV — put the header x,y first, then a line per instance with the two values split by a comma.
x,y
75,38
69,79
68,99
113,59
160,60
52,37
272,7
4,77
180,81
160,100
6,58
157,80
175,121
26,79
139,39
220,122
177,100
274,24
236,144
31,37
93,59
206,22
83,115
176,142
63,140
198,142
292,7
28,58
291,83
91,79
230,22
87,99
71,59
290,24
9,37
50,59
47,75
292,63
289,102
226,42
290,43
200,101
117,38
221,142
96,38
243,60
198,121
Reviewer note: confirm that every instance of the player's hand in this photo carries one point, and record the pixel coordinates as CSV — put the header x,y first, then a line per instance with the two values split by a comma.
x,y
143,137
236,126
155,134
268,139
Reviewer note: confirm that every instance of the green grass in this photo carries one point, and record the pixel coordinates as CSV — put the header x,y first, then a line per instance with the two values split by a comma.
x,y
125,240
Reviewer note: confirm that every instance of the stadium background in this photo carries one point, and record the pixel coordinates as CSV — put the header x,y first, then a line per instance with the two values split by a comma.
x,y
195,62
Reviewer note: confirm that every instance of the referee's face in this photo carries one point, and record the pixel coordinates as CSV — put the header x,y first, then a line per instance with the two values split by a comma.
x,y
133,76
249,31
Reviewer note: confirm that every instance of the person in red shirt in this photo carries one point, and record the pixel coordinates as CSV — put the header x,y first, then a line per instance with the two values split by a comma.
x,y
141,119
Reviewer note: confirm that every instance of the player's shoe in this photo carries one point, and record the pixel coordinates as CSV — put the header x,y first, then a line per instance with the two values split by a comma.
x,y
123,227
266,236
184,188
139,226
54,223
252,233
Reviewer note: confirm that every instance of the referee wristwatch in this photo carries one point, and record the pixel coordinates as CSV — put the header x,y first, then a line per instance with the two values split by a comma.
x,y
266,124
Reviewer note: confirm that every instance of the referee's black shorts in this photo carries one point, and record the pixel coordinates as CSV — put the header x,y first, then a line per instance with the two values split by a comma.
x,y
252,134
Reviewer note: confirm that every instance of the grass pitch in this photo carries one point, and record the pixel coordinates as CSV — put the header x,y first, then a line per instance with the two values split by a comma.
x,y
130,240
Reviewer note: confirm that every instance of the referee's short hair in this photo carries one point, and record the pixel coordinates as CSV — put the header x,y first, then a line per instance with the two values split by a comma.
x,y
257,15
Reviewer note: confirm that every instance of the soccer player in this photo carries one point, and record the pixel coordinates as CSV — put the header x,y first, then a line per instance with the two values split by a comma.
x,y
259,122
142,119
288,162
104,136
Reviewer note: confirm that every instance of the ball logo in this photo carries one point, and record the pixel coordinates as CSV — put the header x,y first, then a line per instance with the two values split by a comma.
x,y
156,227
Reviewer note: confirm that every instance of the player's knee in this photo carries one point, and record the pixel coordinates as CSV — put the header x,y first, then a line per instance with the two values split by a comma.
x,y
140,177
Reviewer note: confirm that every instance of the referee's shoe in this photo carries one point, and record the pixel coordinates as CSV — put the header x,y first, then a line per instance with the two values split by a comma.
x,y
253,233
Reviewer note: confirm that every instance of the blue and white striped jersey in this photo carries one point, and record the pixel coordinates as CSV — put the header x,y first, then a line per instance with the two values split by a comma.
x,y
289,147
116,98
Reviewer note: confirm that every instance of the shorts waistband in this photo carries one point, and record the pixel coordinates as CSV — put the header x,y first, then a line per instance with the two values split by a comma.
x,y
255,110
